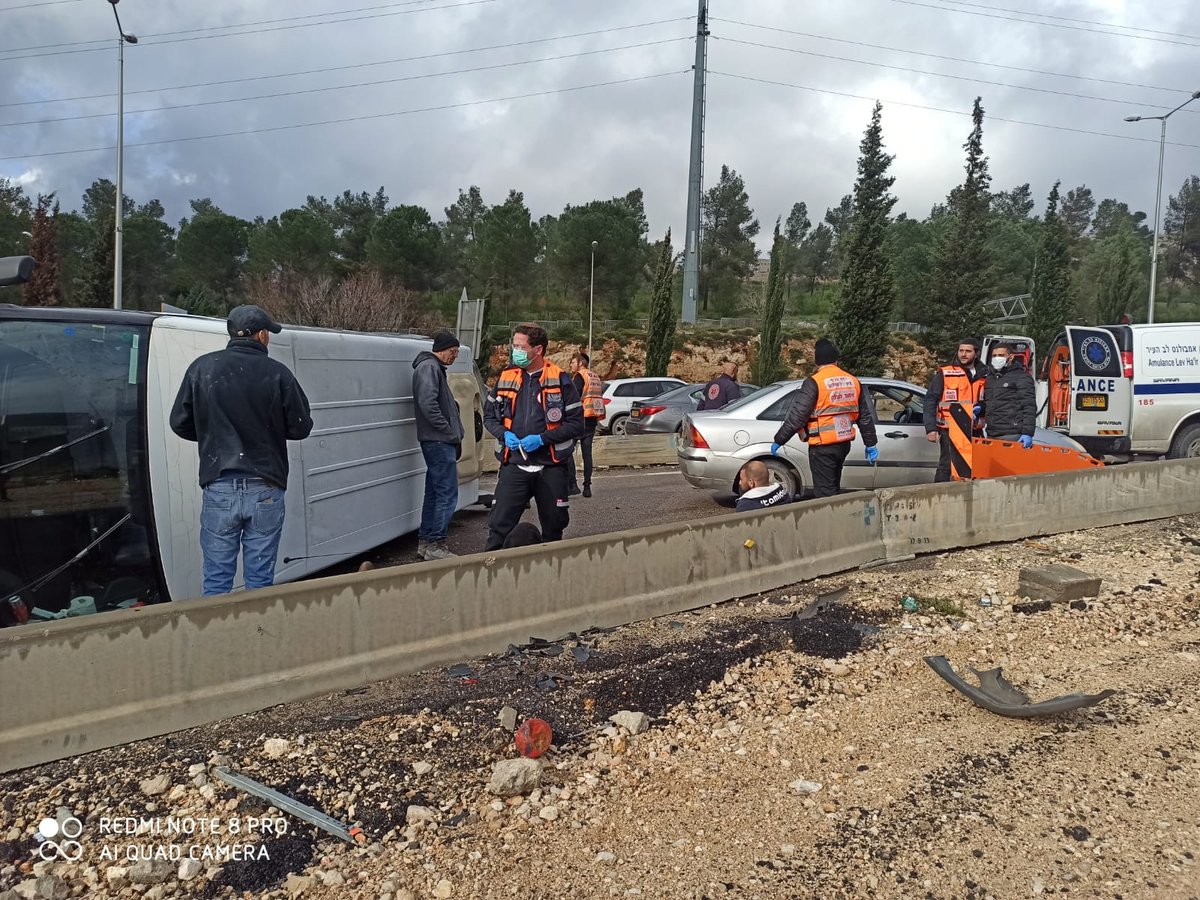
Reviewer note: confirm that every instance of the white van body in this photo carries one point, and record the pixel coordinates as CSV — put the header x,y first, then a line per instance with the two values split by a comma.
x,y
356,482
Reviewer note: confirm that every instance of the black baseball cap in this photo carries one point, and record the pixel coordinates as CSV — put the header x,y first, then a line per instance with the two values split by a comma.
x,y
245,321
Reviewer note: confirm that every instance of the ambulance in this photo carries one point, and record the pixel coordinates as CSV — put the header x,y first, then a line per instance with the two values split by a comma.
x,y
1125,390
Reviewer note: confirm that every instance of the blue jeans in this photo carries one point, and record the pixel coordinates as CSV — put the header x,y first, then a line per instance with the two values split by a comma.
x,y
441,490
240,514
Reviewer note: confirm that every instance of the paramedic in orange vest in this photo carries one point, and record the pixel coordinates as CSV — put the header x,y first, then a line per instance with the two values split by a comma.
x,y
962,383
535,414
824,413
591,390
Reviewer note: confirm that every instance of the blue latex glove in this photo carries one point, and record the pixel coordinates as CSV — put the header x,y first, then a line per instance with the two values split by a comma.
x,y
531,443
511,441
976,410
872,454
775,449
1026,441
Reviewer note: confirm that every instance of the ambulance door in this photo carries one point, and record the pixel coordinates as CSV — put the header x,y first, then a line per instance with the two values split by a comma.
x,y
1101,397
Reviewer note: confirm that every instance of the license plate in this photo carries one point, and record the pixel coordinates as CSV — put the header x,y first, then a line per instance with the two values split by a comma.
x,y
635,414
1097,402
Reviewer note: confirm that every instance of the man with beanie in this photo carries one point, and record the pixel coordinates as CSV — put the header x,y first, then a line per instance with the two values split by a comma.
x,y
241,407
961,383
440,433
827,406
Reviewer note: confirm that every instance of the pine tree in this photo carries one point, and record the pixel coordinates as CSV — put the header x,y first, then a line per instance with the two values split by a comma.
x,y
958,285
767,365
1052,305
45,287
660,335
867,294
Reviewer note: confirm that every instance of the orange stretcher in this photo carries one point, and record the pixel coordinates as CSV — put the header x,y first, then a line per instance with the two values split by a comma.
x,y
978,457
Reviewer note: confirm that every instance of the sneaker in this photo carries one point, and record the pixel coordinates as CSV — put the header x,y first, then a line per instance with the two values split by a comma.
x,y
439,551
423,549
587,490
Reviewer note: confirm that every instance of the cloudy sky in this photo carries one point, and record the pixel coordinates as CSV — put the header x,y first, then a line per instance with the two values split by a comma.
x,y
789,120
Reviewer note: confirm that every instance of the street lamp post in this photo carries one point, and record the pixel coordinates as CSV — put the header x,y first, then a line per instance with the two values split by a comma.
x,y
1162,151
119,234
591,298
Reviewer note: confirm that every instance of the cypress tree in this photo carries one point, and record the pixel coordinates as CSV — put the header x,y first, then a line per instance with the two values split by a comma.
x,y
867,294
767,365
958,285
1052,304
45,287
661,330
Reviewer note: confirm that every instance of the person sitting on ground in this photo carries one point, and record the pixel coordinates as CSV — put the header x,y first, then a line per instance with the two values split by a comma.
x,y
525,534
757,489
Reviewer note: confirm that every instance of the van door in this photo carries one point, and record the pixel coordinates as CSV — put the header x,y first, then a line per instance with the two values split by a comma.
x,y
1100,396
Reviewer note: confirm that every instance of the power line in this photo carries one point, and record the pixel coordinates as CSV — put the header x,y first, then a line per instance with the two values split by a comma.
x,y
342,87
956,112
972,12
207,37
1025,12
384,62
1003,84
4,9
340,12
349,119
957,59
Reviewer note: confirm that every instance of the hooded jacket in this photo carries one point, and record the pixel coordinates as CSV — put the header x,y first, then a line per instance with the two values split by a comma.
x,y
242,407
1009,401
437,412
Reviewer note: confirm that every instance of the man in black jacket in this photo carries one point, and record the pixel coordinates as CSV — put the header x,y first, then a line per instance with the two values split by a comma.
x,y
536,416
1009,401
722,390
241,407
440,433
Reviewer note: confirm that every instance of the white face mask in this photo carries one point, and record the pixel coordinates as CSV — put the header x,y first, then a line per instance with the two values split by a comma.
x,y
999,362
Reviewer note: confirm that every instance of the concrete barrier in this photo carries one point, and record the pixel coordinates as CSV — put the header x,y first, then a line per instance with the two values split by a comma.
x,y
78,685
621,450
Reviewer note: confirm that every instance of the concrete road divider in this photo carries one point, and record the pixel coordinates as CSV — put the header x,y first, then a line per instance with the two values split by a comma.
x,y
622,450
81,684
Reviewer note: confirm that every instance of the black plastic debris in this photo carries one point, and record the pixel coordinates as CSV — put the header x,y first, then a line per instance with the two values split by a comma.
x,y
456,820
581,654
996,694
550,681
1028,609
460,670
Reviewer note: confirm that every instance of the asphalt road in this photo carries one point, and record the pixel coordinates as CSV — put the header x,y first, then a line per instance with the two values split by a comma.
x,y
621,500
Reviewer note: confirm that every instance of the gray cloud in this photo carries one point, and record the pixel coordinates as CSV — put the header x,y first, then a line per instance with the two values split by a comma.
x,y
789,144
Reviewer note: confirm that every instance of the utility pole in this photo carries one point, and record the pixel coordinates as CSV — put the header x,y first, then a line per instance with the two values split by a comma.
x,y
691,240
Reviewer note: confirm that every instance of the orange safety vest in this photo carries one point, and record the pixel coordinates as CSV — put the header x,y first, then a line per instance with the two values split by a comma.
x,y
833,417
957,387
553,403
593,394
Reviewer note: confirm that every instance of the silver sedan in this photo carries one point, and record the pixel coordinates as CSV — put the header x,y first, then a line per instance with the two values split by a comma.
x,y
713,447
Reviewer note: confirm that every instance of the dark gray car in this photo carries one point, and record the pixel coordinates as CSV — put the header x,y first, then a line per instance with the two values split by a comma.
x,y
664,414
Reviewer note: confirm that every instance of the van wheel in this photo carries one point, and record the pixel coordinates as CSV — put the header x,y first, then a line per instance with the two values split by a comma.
x,y
781,473
1187,443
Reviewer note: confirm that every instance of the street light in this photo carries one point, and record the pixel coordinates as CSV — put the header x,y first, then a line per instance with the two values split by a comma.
x,y
119,235
591,298
1162,149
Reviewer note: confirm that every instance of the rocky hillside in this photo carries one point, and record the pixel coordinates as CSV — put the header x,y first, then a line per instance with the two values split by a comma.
x,y
700,359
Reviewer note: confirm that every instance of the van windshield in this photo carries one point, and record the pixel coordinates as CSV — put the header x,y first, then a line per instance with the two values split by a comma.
x,y
74,504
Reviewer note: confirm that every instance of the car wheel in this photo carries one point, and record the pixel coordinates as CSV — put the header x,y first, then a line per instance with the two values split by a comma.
x,y
617,426
1187,443
782,473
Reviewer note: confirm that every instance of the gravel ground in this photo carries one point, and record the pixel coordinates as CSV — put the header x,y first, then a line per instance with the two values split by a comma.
x,y
783,758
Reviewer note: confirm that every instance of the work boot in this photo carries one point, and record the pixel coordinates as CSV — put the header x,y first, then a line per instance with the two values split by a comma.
x,y
587,490
439,551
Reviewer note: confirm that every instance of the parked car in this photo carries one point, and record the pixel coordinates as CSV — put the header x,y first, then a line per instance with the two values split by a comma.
x,y
620,393
664,414
714,446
